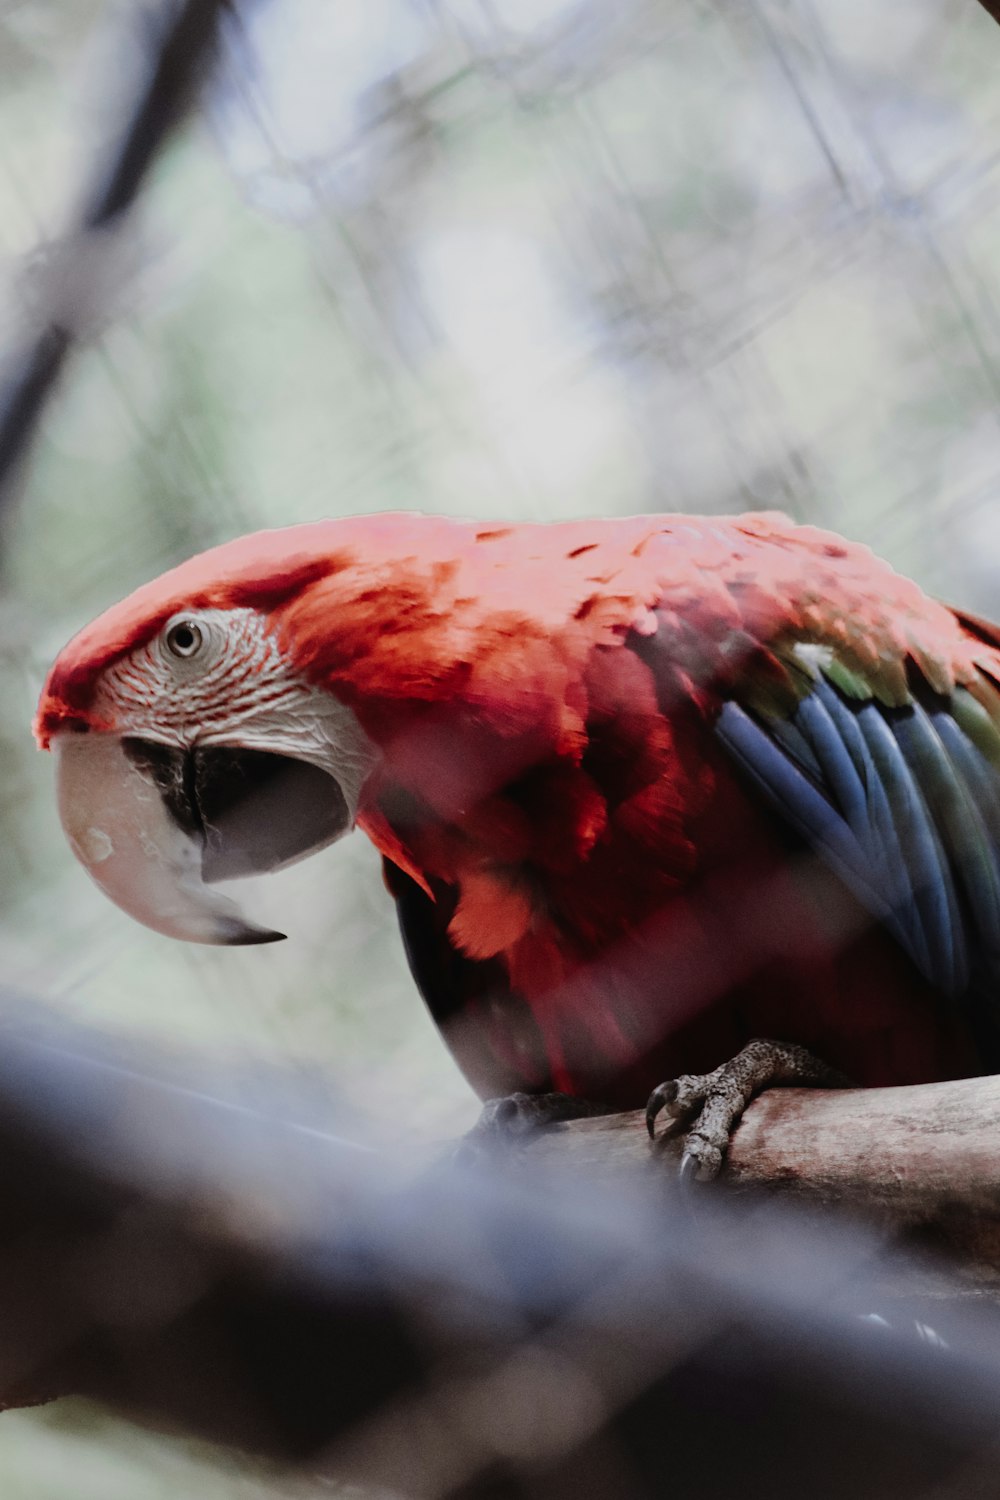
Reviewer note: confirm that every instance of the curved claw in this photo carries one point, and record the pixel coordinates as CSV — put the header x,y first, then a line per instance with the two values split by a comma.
x,y
702,1160
658,1100
688,1170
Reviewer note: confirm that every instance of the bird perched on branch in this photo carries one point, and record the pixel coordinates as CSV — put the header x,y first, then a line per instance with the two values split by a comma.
x,y
671,807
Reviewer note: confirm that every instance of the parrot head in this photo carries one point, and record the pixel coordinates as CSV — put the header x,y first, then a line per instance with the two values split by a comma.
x,y
394,671
192,748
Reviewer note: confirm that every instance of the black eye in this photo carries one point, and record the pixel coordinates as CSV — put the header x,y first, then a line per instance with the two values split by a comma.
x,y
184,639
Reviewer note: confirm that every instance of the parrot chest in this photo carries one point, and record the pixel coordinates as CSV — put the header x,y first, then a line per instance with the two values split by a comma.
x,y
759,939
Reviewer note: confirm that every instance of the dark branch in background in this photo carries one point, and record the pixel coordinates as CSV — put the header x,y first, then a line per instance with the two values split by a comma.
x,y
181,40
200,1261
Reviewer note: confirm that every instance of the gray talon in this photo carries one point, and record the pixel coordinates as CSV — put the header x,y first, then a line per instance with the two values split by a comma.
x,y
703,1158
515,1117
659,1099
500,1114
720,1097
687,1171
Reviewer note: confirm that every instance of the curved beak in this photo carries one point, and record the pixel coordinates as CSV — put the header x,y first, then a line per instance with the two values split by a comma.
x,y
155,825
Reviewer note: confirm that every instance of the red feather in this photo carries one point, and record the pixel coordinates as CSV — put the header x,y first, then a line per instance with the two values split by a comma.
x,y
543,698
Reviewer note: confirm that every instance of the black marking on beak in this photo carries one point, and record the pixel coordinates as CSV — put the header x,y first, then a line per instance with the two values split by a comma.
x,y
252,810
243,937
173,773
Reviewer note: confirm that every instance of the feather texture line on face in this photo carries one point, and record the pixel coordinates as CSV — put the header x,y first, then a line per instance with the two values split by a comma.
x,y
239,689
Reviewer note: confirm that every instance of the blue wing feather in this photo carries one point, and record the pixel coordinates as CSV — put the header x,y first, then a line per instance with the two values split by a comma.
x,y
800,802
904,806
929,869
887,867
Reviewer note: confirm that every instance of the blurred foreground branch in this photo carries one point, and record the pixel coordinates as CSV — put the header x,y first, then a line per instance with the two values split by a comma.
x,y
209,1251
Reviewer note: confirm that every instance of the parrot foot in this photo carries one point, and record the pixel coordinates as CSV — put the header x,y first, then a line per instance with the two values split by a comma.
x,y
517,1114
722,1095
515,1117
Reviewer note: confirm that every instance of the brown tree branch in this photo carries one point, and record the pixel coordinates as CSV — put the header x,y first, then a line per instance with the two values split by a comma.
x,y
925,1158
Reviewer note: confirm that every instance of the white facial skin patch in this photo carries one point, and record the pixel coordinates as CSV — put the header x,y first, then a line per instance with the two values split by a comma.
x,y
237,688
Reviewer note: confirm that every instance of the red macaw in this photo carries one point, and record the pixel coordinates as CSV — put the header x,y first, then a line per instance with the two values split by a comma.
x,y
647,790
